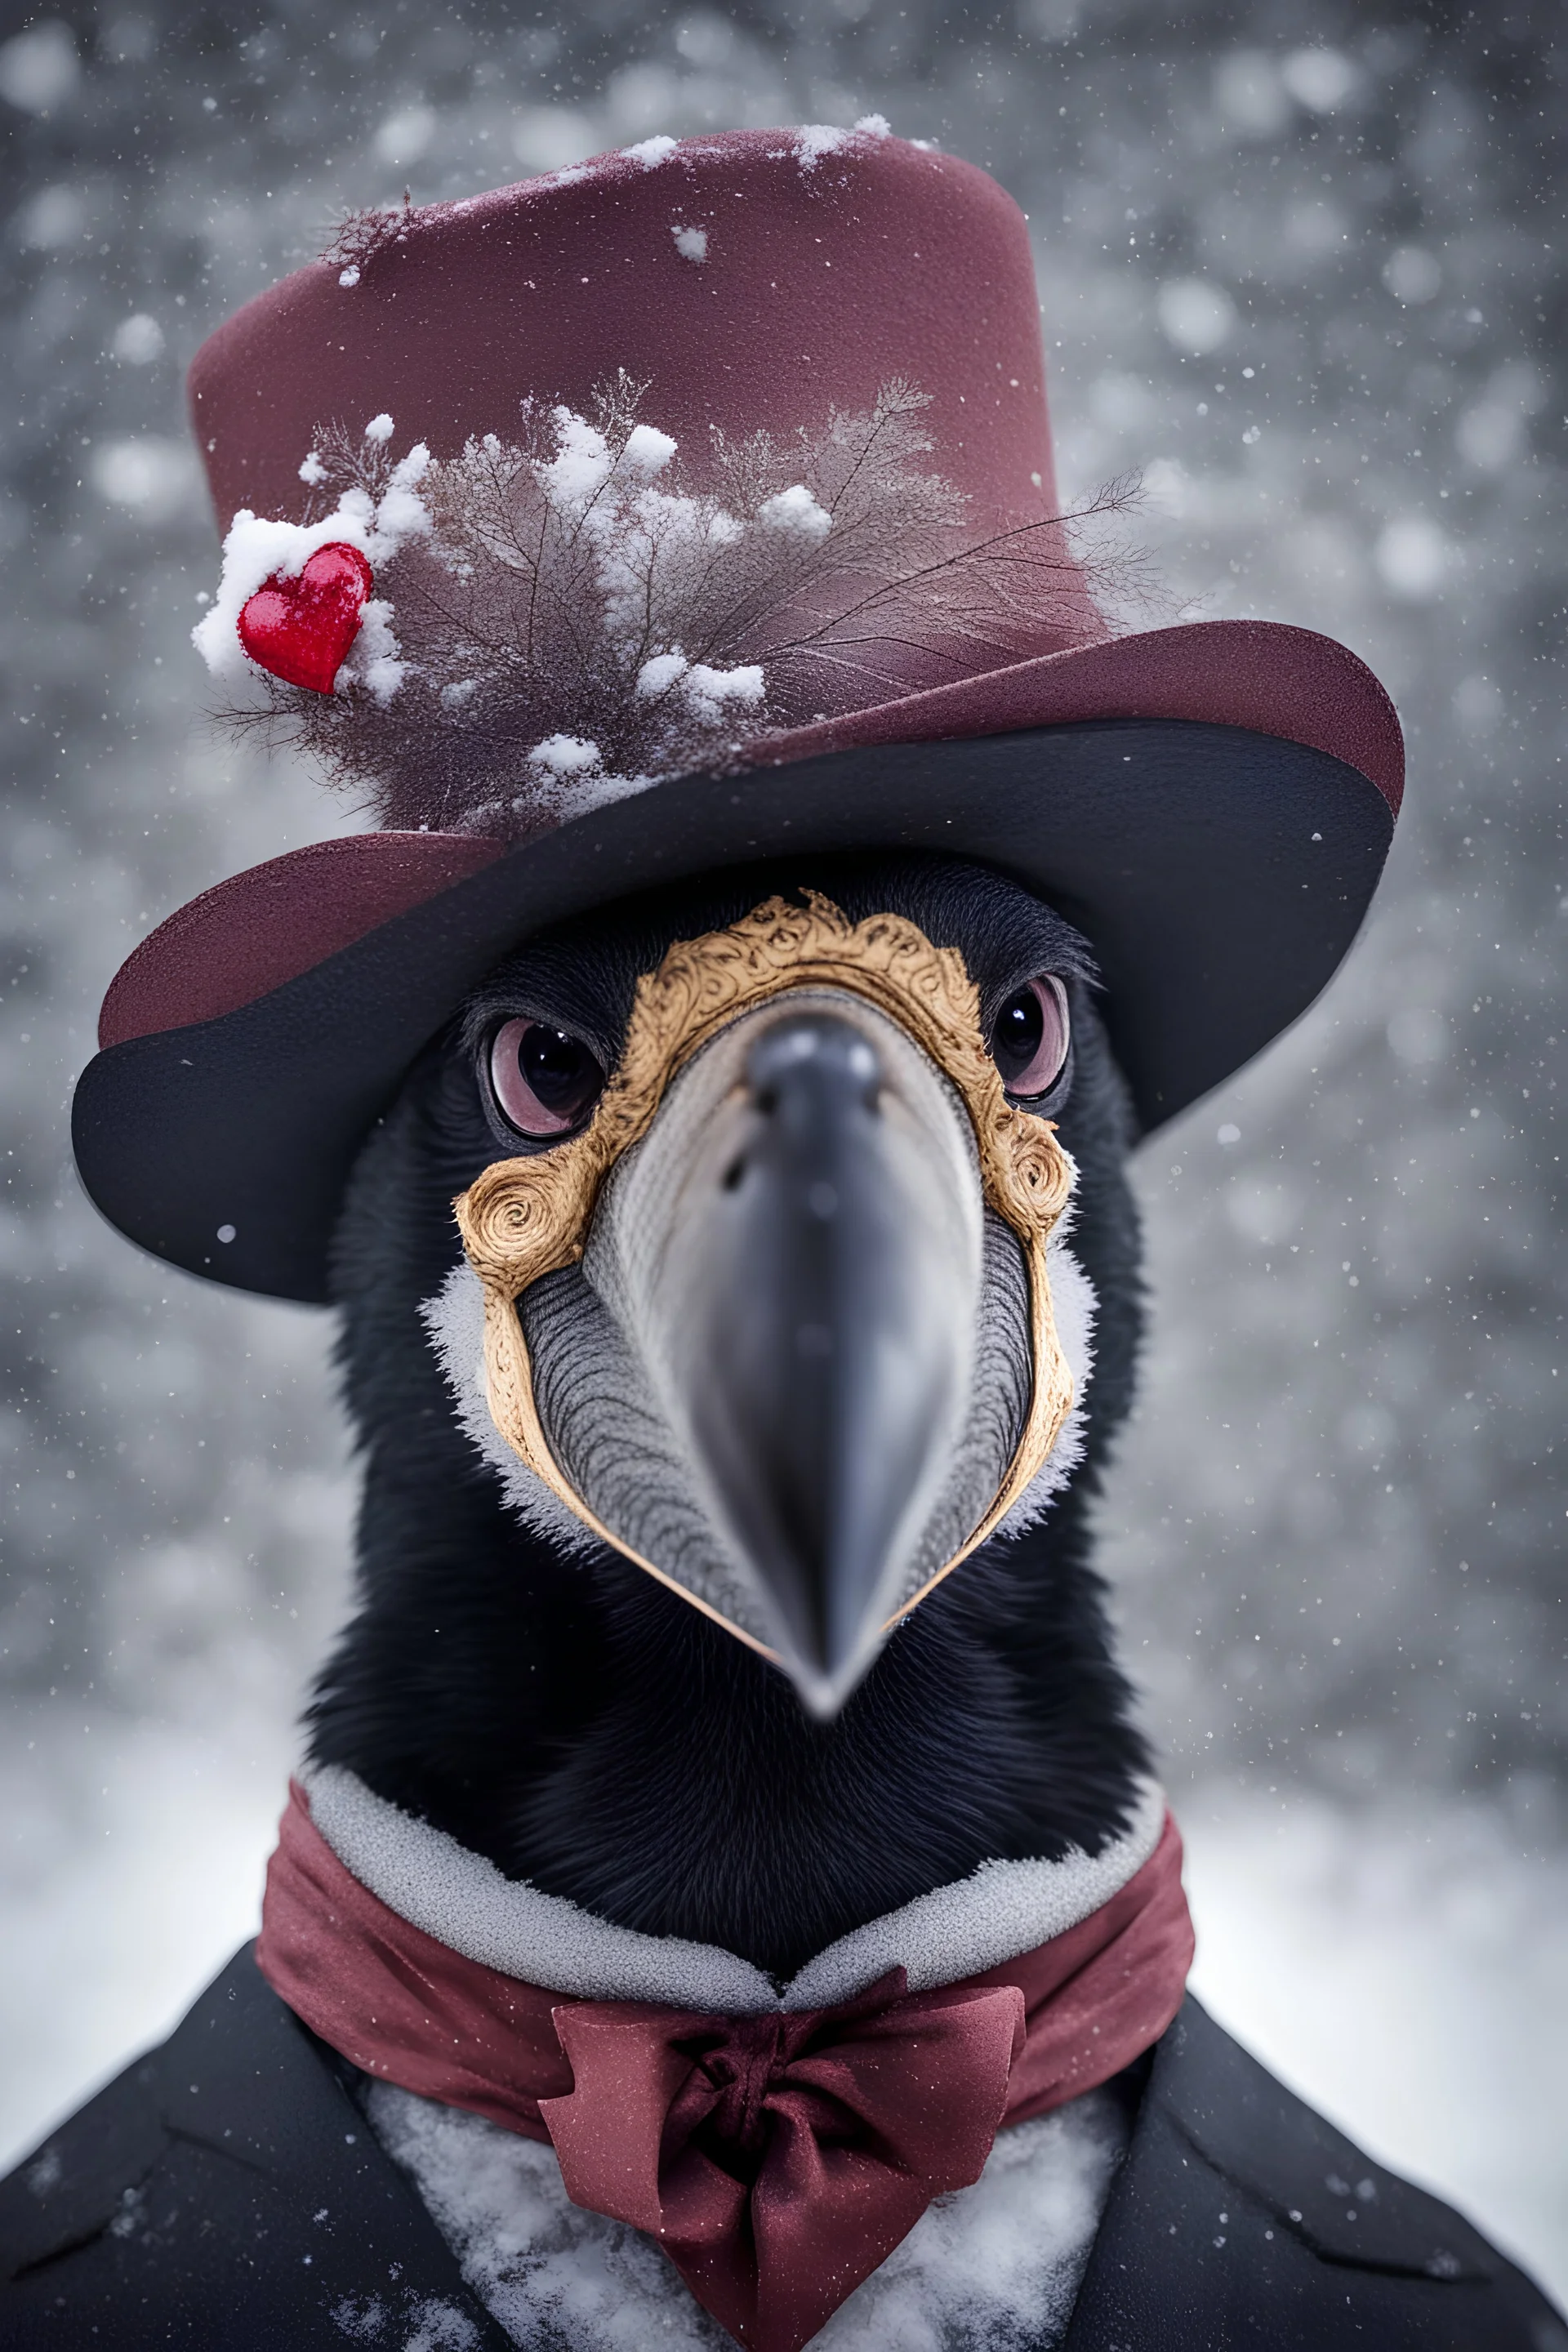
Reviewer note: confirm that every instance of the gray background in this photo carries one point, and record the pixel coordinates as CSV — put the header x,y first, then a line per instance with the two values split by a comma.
x,y
1296,263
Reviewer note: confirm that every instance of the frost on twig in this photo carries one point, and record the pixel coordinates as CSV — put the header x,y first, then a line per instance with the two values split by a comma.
x,y
576,618
358,236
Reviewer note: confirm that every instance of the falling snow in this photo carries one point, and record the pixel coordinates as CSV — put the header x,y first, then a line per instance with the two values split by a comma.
x,y
1305,285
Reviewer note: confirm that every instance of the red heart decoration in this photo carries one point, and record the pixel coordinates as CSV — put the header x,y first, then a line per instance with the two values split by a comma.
x,y
300,628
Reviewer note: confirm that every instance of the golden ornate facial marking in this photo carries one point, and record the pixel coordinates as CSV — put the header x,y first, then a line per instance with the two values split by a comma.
x,y
528,1217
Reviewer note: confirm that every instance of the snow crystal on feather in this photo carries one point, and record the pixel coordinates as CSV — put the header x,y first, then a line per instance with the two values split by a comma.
x,y
574,778
464,1901
566,755
795,510
550,575
977,1923
983,2270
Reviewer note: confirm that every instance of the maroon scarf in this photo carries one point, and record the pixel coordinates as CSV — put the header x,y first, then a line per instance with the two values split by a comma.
x,y
777,2158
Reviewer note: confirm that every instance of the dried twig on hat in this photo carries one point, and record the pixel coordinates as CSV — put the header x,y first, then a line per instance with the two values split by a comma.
x,y
565,618
359,235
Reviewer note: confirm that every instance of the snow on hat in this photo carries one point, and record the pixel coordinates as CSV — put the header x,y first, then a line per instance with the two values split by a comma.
x,y
671,512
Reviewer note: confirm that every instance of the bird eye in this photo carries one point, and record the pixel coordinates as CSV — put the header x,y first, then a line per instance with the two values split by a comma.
x,y
544,1080
1029,1040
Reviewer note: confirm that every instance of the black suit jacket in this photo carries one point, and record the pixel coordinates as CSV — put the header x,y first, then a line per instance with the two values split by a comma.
x,y
226,2194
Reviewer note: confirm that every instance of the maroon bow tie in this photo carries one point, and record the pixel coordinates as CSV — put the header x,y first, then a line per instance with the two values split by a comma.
x,y
778,2158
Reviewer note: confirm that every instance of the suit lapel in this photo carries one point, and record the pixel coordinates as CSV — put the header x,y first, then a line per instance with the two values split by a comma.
x,y
226,2189
1242,2218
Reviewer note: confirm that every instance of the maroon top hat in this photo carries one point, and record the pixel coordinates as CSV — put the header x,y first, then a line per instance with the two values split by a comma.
x,y
1212,803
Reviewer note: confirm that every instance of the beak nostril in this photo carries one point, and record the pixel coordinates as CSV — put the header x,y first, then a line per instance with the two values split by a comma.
x,y
813,1315
863,1064
810,1056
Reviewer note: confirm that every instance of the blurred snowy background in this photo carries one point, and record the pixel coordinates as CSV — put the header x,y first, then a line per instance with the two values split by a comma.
x,y
1302,263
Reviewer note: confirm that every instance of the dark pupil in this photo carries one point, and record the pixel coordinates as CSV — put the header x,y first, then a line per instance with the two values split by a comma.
x,y
560,1070
1015,1040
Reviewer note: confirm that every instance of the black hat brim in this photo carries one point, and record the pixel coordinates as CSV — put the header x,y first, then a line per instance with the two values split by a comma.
x,y
1220,875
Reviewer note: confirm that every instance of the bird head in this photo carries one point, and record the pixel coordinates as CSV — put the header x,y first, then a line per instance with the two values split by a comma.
x,y
745,1519
765,1281
698,1096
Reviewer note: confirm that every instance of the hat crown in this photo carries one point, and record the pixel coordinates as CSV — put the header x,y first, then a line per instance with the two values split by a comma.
x,y
753,280
654,460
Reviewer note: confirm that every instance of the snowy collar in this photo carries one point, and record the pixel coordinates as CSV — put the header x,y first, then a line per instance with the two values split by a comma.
x,y
777,2147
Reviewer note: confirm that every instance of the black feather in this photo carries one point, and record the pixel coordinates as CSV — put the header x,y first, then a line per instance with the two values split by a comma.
x,y
590,1731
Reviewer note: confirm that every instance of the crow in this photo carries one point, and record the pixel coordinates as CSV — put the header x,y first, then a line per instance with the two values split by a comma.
x,y
727,1895
570,1718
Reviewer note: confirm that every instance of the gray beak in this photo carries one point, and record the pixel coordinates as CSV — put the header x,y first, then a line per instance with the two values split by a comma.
x,y
808,1231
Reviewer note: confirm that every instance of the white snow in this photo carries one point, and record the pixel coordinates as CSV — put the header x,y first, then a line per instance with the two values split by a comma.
x,y
601,786
582,466
797,512
138,340
133,1834
566,755
874,126
1344,1945
573,769
349,277
813,140
257,549
401,514
374,657
428,1878
1320,79
148,473
658,673
647,451
40,69
692,244
647,544
710,691
995,2265
416,2323
651,152
1195,314
1403,1968
311,469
